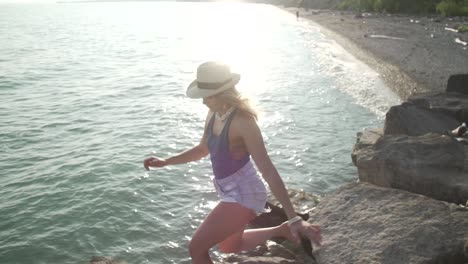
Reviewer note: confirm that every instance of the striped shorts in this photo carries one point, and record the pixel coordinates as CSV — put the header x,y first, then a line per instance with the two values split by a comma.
x,y
244,187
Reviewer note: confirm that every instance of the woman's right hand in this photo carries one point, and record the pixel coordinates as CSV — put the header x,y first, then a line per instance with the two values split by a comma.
x,y
311,231
154,162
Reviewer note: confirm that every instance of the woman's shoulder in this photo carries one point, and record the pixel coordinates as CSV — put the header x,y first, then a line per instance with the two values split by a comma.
x,y
243,115
243,120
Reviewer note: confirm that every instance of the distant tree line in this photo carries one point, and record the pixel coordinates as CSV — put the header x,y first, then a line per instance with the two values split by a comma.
x,y
445,7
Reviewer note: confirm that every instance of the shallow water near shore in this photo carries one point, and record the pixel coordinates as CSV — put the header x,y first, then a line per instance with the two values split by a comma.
x,y
90,89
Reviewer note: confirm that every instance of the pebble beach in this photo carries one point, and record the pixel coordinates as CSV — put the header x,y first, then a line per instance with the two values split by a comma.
x,y
413,53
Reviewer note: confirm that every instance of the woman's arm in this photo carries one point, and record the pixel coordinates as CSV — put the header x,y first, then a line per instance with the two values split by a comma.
x,y
251,134
193,154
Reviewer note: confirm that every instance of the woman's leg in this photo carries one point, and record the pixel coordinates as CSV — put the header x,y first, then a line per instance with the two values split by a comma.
x,y
222,222
225,225
251,238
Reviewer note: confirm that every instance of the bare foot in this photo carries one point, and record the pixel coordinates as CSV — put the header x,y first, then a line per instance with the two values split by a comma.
x,y
312,232
286,232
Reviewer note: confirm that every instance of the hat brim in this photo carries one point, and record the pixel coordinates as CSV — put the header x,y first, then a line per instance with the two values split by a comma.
x,y
193,91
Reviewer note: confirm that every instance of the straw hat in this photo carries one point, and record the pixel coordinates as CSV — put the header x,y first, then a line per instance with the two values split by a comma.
x,y
212,78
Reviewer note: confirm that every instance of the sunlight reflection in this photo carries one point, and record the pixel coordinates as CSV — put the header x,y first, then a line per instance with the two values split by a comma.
x,y
210,205
237,35
233,32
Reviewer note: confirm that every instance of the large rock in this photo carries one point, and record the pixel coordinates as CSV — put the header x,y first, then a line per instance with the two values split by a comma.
x,y
448,103
363,223
413,120
431,164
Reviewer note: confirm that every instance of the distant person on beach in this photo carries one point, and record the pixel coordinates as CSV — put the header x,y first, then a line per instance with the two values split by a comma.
x,y
231,136
297,15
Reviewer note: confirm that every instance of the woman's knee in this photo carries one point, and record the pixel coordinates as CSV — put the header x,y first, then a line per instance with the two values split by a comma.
x,y
225,247
197,247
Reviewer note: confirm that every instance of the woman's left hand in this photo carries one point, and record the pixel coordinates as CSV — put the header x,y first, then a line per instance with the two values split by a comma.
x,y
154,162
311,231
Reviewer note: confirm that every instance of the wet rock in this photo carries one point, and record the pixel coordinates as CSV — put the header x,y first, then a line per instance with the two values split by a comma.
x,y
364,223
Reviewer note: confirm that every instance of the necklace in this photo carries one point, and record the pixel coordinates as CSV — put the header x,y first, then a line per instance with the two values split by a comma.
x,y
223,117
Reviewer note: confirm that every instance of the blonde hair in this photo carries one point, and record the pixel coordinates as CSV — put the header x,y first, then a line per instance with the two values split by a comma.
x,y
232,97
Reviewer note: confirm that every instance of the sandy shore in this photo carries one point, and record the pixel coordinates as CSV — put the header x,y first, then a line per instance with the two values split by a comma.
x,y
412,53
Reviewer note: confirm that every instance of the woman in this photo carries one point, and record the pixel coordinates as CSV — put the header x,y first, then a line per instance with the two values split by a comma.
x,y
231,137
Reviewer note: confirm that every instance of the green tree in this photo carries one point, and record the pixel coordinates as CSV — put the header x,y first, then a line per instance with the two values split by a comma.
x,y
453,7
393,6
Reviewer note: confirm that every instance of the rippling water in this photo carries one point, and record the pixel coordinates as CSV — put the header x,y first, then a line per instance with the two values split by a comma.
x,y
88,90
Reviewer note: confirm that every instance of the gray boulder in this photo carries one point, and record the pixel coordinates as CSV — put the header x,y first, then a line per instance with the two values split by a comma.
x,y
448,103
364,223
413,120
431,164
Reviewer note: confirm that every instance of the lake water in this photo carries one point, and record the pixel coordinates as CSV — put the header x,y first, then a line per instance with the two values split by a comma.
x,y
88,90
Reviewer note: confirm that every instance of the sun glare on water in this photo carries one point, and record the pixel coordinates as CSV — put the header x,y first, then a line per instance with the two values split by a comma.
x,y
236,33
230,32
